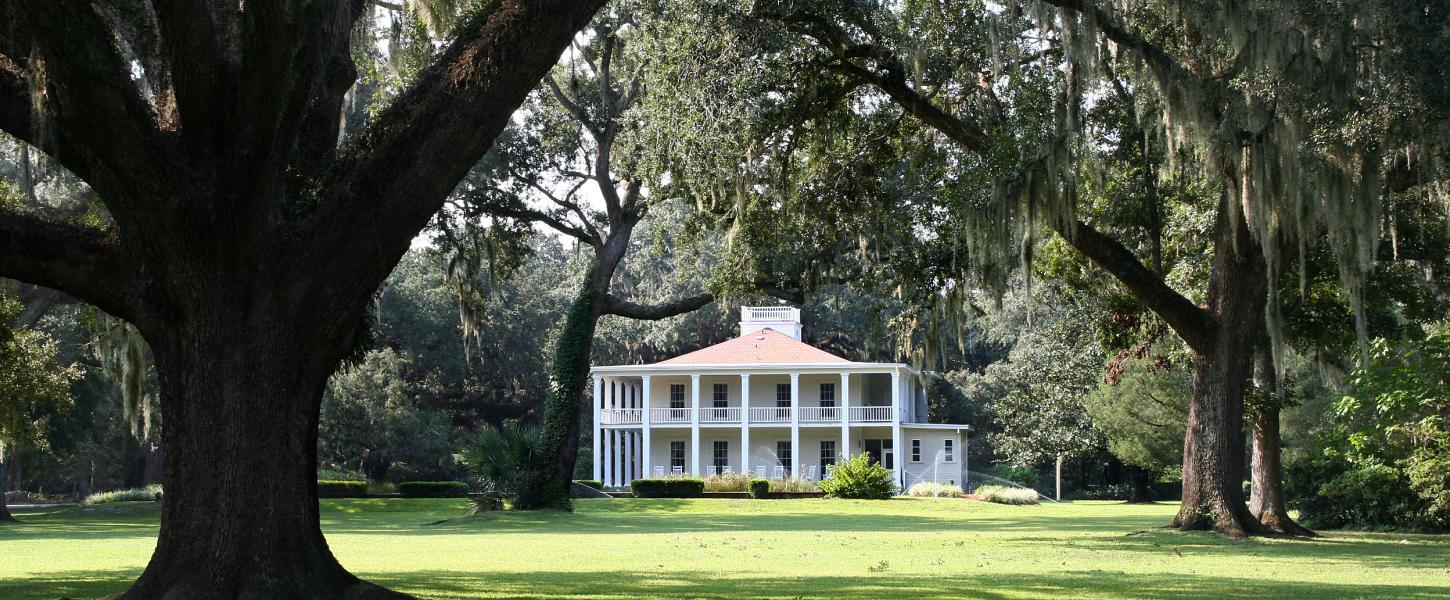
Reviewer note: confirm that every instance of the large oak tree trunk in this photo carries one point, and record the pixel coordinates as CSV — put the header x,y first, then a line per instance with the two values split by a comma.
x,y
1266,498
5,516
1213,447
240,513
547,484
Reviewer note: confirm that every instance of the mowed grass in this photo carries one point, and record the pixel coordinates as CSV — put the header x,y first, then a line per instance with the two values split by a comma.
x,y
766,548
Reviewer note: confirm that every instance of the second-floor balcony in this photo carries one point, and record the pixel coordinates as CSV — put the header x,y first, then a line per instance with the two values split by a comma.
x,y
759,415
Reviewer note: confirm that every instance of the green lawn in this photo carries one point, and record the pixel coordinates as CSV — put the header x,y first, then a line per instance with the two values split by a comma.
x,y
768,548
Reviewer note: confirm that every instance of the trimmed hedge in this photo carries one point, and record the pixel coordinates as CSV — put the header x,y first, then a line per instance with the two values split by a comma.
x,y
342,489
759,488
668,488
433,489
594,483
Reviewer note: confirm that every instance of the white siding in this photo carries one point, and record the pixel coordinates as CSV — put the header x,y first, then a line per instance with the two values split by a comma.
x,y
932,466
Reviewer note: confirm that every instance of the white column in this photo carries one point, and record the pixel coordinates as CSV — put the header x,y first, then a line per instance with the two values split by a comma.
x,y
647,470
745,423
795,425
845,403
694,426
631,451
598,441
896,449
608,458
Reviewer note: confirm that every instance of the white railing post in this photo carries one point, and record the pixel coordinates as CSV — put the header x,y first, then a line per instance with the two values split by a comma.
x,y
745,423
645,465
694,425
598,430
845,403
795,425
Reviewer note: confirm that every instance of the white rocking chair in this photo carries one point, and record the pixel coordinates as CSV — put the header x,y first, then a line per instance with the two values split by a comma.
x,y
678,471
761,471
659,471
810,473
779,472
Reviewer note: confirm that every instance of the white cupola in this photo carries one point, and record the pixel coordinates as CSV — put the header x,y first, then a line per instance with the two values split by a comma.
x,y
784,319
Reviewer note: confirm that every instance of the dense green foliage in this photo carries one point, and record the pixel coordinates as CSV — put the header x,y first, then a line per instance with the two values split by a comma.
x,y
342,489
759,488
859,478
1382,463
667,488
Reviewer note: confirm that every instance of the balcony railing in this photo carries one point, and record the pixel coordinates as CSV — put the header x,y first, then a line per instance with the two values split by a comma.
x,y
720,415
622,416
669,415
770,415
870,413
817,414
758,415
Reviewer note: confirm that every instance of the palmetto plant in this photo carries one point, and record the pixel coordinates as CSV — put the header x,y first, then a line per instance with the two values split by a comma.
x,y
500,455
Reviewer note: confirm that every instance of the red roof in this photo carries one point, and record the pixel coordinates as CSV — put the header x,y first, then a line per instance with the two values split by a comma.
x,y
766,346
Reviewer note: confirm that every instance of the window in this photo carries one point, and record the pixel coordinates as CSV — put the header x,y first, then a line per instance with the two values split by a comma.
x,y
947,450
915,451
722,395
677,454
782,395
828,395
722,456
782,453
677,395
828,455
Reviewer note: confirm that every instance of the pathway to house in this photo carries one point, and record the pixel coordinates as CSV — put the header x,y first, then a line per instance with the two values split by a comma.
x,y
765,548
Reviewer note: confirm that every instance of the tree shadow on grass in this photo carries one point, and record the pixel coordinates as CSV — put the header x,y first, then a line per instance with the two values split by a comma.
x,y
1364,550
696,584
1072,584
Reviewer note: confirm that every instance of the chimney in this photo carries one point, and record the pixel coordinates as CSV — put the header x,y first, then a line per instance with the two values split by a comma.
x,y
784,319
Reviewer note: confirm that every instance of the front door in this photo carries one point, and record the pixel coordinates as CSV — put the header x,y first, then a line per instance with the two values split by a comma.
x,y
880,452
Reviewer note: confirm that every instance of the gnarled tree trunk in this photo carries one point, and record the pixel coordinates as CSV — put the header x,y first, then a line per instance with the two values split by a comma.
x,y
5,516
1213,455
1266,497
240,519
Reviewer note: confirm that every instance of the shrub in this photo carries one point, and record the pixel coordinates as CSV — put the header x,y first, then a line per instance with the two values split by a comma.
x,y
342,489
728,482
500,456
932,489
667,488
150,493
860,478
1430,478
1002,494
339,475
592,483
792,485
433,489
759,488
1371,496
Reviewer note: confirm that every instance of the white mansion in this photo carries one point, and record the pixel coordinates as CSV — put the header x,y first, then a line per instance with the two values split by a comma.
x,y
769,405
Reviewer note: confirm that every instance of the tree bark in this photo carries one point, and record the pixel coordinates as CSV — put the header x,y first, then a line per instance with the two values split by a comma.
x,y
242,390
1213,455
546,485
5,516
1266,497
1140,490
